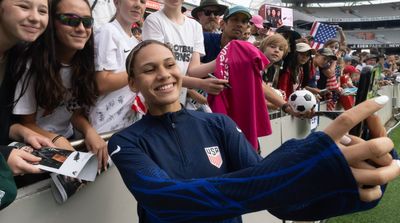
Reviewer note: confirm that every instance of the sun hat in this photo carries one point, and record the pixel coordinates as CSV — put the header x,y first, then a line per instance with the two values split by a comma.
x,y
206,3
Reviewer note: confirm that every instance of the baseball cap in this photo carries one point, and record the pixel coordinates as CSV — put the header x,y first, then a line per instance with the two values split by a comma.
x,y
257,21
347,57
327,52
288,32
349,69
304,47
371,56
236,9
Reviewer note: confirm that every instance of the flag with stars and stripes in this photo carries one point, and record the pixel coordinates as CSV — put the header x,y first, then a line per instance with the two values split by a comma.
x,y
321,33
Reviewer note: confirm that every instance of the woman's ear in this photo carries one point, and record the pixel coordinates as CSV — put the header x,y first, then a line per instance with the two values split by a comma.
x,y
132,85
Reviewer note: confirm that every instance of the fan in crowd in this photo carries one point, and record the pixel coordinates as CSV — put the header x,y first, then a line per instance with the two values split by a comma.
x,y
208,15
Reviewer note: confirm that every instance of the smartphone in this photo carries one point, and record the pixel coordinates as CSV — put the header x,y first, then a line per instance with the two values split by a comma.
x,y
364,87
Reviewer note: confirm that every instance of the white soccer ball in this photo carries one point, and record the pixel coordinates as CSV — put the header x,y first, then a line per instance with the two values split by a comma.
x,y
302,101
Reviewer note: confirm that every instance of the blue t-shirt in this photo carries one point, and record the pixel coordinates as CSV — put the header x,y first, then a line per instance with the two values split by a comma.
x,y
212,45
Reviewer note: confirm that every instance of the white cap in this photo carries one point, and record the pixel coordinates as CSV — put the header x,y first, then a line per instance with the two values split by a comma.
x,y
304,47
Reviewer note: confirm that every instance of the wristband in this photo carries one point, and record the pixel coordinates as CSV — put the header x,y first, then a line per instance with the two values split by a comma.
x,y
284,107
55,138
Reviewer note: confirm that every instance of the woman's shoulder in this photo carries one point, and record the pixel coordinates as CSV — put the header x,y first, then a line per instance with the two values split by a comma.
x,y
210,118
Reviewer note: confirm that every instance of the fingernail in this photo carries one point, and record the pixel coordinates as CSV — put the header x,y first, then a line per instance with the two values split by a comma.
x,y
382,99
398,162
345,140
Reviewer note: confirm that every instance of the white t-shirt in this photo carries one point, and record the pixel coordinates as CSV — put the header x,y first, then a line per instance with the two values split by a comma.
x,y
57,121
113,110
102,13
251,39
184,39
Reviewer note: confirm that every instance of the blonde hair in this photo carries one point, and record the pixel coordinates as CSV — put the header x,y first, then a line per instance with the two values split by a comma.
x,y
276,39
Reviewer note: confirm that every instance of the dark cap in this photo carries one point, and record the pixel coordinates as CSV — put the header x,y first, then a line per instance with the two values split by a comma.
x,y
371,56
206,3
327,52
288,31
235,10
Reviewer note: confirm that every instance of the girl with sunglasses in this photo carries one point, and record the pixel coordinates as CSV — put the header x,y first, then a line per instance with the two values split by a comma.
x,y
59,79
113,42
21,22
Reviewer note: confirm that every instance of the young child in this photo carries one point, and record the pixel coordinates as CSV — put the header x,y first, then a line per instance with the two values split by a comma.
x,y
113,42
188,166
347,101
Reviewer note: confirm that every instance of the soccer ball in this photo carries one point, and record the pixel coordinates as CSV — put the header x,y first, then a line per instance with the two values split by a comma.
x,y
302,101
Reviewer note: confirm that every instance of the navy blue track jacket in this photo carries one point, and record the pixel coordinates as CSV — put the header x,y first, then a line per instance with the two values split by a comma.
x,y
198,167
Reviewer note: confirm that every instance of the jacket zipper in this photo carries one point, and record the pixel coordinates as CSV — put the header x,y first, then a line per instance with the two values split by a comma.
x,y
181,150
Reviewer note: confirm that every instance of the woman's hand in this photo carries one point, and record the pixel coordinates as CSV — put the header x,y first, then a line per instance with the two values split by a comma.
x,y
21,162
213,85
370,161
96,145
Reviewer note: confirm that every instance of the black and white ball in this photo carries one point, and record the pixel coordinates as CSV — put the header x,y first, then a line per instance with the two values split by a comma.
x,y
302,101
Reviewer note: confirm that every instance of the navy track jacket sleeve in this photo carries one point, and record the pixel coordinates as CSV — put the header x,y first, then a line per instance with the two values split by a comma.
x,y
306,179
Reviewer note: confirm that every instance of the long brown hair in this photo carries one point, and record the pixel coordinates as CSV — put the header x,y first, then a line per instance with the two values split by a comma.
x,y
49,88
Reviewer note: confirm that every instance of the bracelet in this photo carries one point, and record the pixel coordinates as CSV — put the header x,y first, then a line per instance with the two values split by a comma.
x,y
284,107
55,138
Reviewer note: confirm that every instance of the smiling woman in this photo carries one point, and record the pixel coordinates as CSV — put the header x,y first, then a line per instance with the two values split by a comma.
x,y
159,80
188,166
20,21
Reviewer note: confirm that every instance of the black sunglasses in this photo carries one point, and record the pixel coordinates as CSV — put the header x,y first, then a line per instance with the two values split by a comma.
x,y
209,12
74,20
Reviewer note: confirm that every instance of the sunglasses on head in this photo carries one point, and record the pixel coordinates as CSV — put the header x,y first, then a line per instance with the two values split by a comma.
x,y
75,20
209,12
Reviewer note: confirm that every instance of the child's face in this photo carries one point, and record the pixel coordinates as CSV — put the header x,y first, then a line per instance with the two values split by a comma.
x,y
157,77
72,37
355,77
274,53
130,11
303,57
173,3
23,20
246,34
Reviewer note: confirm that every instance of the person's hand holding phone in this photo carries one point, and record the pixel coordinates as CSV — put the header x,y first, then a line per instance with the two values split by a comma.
x,y
370,160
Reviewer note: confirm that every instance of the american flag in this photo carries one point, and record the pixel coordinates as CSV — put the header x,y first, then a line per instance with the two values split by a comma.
x,y
321,33
138,104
